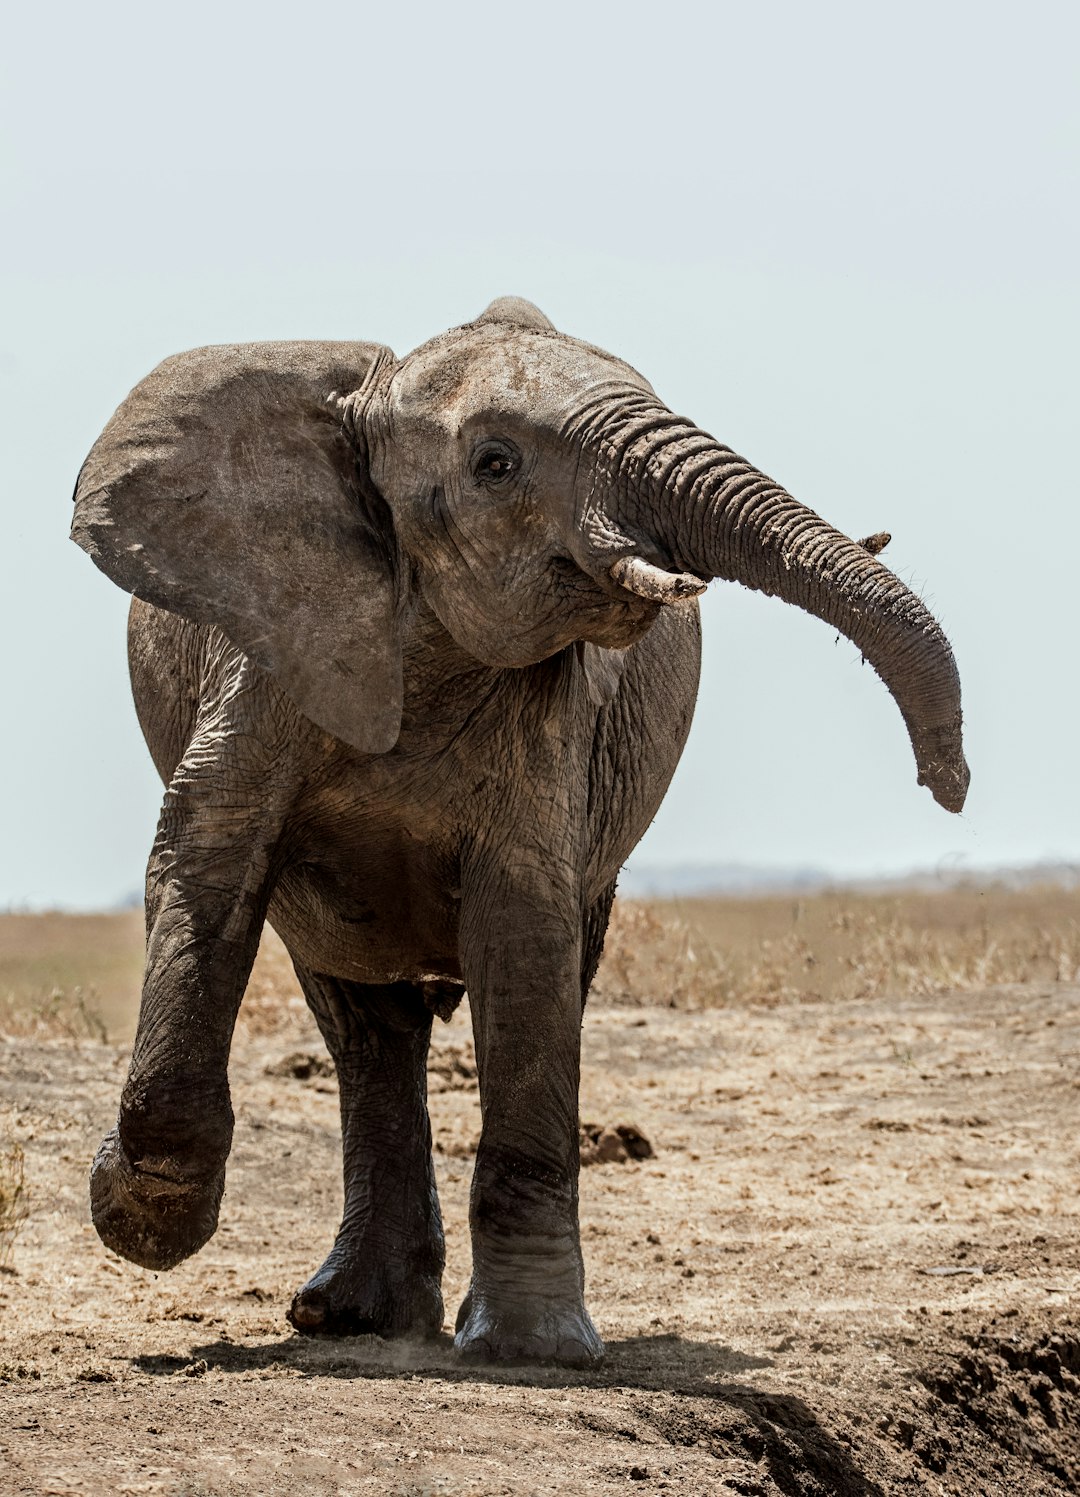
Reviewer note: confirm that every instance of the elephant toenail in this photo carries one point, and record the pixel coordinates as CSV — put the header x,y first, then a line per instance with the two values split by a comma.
x,y
307,1314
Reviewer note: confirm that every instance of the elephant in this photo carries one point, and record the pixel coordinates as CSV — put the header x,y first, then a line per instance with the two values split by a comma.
x,y
414,644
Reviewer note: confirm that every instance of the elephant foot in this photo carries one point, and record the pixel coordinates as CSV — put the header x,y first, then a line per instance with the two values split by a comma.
x,y
349,1298
151,1218
562,1335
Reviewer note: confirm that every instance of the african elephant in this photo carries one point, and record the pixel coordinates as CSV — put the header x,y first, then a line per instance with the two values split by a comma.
x,y
414,645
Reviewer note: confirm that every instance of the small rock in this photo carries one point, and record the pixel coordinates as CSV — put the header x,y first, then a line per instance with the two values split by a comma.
x,y
610,1148
613,1143
301,1065
952,1270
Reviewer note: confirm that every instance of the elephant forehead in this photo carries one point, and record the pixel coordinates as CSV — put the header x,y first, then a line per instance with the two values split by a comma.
x,y
510,371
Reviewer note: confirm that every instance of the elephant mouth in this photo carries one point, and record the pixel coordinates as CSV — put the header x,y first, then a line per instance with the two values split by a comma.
x,y
637,571
608,614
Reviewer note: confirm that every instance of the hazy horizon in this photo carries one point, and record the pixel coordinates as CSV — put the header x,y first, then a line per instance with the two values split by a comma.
x,y
644,880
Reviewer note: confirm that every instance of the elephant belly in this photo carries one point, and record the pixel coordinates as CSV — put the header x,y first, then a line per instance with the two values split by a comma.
x,y
380,909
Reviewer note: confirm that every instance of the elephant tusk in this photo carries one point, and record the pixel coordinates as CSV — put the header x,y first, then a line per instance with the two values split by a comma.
x,y
647,581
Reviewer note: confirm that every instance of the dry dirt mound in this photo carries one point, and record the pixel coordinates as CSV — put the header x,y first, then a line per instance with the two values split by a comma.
x,y
1021,1394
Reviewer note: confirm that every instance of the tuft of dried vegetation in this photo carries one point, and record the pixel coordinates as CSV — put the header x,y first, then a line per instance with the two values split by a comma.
x,y
59,1013
707,953
653,954
12,1199
70,976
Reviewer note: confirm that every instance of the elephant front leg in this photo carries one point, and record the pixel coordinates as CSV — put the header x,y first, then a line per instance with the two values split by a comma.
x,y
158,1178
383,1274
526,1300
157,1181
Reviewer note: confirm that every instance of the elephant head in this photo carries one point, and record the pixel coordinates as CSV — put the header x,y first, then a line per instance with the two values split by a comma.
x,y
533,489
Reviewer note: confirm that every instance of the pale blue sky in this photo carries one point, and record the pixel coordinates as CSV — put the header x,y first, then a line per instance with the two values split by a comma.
x,y
842,237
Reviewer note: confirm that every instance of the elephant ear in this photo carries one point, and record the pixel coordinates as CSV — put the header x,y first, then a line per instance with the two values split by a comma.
x,y
226,490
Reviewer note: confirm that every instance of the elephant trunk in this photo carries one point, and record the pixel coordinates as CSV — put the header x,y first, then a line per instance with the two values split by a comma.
x,y
690,509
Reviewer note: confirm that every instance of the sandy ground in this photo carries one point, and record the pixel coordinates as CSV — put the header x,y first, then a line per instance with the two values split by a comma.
x,y
851,1267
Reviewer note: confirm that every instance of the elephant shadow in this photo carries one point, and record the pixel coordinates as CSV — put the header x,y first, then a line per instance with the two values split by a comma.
x,y
699,1397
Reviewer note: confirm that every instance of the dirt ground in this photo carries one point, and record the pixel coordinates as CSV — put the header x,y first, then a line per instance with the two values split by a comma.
x,y
850,1267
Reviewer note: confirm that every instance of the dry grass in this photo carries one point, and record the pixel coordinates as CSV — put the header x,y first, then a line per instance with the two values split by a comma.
x,y
71,975
707,953
12,1199
57,1014
78,976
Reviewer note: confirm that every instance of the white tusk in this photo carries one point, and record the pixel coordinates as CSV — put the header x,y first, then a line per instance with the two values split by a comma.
x,y
647,581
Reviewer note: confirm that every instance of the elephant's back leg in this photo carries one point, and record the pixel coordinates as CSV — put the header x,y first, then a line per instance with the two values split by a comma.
x,y
383,1273
165,656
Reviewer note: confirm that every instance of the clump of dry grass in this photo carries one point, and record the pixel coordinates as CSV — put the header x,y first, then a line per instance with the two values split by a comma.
x,y
70,975
652,955
888,952
79,977
706,953
12,1199
60,1013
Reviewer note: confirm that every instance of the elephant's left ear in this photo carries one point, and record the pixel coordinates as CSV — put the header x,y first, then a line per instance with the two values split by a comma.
x,y
225,489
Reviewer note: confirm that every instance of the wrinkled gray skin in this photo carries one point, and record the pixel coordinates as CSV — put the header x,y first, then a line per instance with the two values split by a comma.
x,y
415,650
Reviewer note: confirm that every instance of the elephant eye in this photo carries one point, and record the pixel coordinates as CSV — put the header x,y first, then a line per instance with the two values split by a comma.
x,y
495,463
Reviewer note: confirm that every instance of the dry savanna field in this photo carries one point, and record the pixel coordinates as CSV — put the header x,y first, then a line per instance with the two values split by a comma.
x,y
850,1263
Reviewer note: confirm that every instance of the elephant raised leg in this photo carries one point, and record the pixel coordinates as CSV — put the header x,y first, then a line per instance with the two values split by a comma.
x,y
383,1273
157,1180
